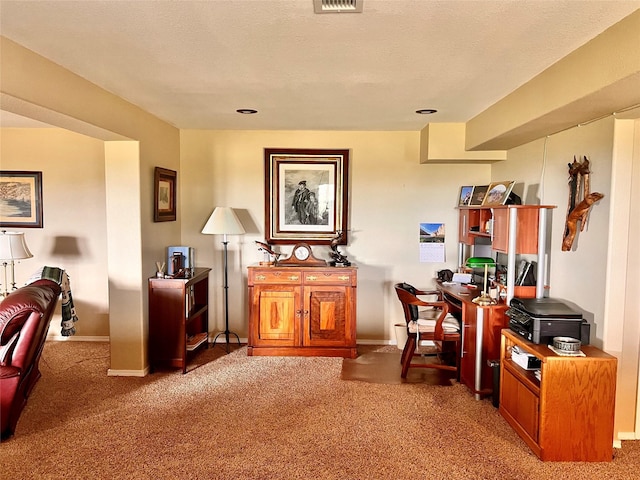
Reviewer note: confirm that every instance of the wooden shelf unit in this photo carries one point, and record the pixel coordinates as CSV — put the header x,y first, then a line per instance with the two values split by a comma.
x,y
309,311
512,230
567,415
178,318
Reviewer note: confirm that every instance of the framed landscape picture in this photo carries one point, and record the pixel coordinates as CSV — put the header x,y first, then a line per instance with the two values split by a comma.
x,y
478,195
464,198
306,195
21,199
498,193
164,195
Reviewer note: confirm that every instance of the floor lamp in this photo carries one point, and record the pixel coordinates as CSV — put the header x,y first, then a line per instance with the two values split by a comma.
x,y
224,221
12,247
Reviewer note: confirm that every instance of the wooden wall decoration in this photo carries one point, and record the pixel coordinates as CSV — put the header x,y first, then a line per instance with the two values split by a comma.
x,y
580,201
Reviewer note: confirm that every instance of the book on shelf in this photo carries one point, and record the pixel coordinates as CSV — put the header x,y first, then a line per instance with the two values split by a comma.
x,y
526,274
189,301
194,341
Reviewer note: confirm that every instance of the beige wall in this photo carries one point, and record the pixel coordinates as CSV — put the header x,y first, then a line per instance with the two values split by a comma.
x,y
33,86
578,275
74,236
596,275
391,193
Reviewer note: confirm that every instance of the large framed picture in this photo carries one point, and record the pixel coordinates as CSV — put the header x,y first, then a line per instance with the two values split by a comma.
x,y
164,195
21,199
498,193
306,195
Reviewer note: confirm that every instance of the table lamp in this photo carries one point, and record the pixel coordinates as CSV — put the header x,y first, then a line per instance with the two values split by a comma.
x,y
484,299
12,247
223,221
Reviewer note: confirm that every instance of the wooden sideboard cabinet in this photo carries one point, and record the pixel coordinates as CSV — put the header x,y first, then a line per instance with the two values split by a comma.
x,y
568,414
178,318
309,311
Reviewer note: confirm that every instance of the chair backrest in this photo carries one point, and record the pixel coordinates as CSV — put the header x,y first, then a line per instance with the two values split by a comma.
x,y
410,311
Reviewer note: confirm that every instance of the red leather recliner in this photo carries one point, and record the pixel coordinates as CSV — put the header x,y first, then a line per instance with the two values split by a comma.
x,y
24,321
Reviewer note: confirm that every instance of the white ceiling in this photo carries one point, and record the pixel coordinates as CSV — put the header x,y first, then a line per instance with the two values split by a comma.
x,y
193,63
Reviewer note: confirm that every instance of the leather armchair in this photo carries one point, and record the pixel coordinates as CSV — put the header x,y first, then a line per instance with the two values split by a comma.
x,y
24,322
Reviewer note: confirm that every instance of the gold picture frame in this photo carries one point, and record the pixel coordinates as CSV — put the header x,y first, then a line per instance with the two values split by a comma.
x,y
498,193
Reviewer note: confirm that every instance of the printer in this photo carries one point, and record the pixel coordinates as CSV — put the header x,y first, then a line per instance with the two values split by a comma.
x,y
540,319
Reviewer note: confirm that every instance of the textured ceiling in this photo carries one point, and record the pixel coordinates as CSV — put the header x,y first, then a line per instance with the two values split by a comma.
x,y
193,63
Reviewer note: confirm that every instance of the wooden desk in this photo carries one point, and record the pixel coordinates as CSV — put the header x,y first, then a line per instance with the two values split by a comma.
x,y
481,327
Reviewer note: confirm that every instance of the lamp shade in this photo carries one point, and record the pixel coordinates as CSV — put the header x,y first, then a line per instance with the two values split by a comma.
x,y
13,246
223,220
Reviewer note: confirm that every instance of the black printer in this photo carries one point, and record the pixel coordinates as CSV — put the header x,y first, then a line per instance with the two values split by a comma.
x,y
540,319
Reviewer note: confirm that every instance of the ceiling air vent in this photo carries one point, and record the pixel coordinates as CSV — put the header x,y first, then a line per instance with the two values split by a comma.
x,y
337,6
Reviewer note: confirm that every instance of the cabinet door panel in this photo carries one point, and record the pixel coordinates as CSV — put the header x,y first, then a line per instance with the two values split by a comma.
x,y
521,403
468,360
277,321
500,241
526,231
327,316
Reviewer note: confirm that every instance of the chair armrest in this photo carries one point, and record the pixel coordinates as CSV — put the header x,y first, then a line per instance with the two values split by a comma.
x,y
9,372
438,293
432,293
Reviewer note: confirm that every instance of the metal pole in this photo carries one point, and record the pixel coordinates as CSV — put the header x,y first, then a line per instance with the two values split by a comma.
x,y
226,294
225,286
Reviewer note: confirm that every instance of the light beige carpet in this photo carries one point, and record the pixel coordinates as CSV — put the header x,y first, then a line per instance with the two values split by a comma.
x,y
239,417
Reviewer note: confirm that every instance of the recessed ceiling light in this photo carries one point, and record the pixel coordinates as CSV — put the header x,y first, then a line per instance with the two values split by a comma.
x,y
247,111
426,111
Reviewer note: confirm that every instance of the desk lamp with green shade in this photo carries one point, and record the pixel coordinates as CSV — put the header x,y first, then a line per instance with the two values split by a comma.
x,y
476,262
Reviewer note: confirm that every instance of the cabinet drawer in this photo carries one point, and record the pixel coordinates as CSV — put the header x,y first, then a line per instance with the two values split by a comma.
x,y
325,277
270,276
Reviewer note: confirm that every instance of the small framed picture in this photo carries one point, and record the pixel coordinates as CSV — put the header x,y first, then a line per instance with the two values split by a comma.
x,y
164,195
465,195
21,199
478,195
498,193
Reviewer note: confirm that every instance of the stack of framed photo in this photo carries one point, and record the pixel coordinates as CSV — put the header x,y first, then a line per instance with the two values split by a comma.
x,y
496,193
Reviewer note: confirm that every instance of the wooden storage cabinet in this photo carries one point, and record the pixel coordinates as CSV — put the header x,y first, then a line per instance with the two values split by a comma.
x,y
308,311
493,321
178,318
473,224
568,414
527,226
